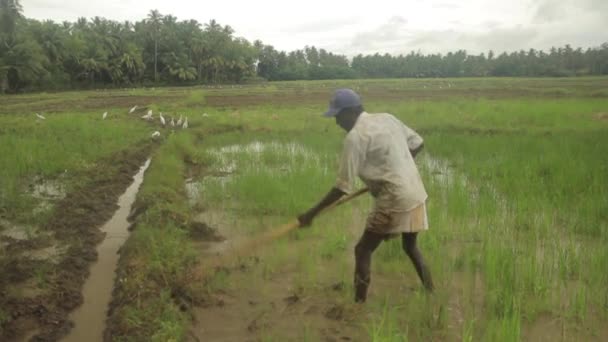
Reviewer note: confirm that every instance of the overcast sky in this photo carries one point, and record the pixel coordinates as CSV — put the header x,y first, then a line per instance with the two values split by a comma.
x,y
351,27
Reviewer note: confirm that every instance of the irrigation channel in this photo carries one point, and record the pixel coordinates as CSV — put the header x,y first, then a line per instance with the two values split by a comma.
x,y
89,319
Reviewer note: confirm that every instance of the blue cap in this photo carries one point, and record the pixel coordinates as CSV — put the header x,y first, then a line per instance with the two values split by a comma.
x,y
343,98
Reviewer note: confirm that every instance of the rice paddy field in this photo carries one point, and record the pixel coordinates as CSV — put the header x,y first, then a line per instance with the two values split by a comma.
x,y
516,171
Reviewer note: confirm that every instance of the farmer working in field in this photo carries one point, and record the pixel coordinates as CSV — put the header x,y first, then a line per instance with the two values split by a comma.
x,y
379,149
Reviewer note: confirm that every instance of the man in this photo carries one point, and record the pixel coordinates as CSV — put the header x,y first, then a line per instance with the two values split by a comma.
x,y
379,149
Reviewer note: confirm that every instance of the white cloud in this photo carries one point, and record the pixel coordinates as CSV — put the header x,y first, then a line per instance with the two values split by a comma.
x,y
377,26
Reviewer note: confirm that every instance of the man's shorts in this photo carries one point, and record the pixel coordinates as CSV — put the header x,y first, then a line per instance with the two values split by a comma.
x,y
396,222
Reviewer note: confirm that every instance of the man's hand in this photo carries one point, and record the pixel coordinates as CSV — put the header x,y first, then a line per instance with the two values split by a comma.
x,y
305,219
332,196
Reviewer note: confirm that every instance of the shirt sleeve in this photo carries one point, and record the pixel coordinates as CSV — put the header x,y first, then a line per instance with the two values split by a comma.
x,y
414,140
350,161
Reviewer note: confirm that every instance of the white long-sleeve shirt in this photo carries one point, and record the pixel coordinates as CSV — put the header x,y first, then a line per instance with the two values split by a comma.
x,y
377,150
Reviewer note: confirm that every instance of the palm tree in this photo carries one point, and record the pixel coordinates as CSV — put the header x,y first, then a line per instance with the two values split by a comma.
x,y
23,63
213,26
21,58
10,13
179,67
199,51
51,38
155,21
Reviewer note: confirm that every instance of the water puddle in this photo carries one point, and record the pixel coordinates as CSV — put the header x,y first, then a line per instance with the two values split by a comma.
x,y
450,179
193,190
52,253
195,187
46,192
16,232
440,170
47,189
230,162
268,157
275,156
90,317
11,233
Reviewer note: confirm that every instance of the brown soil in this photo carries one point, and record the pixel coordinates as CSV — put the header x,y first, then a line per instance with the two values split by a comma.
x,y
553,327
256,312
376,94
274,306
17,105
74,223
601,116
200,231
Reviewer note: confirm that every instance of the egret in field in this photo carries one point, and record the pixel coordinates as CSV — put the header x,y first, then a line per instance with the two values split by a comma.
x,y
156,134
205,115
172,122
162,119
147,116
40,117
179,122
132,109
185,123
104,116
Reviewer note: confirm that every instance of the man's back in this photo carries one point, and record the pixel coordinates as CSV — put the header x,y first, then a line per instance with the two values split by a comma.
x,y
378,150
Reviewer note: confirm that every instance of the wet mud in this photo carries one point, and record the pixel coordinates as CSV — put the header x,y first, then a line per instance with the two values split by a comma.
x,y
72,233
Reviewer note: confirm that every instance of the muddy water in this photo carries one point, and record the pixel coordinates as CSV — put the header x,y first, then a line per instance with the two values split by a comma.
x,y
89,318
282,157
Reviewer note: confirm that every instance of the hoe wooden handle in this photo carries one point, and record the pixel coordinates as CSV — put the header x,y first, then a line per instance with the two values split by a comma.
x,y
271,235
286,228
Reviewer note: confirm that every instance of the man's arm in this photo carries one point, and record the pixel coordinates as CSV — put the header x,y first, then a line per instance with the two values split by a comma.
x,y
332,196
352,156
415,143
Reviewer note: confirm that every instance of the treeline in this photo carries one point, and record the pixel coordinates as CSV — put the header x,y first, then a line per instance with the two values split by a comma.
x,y
44,55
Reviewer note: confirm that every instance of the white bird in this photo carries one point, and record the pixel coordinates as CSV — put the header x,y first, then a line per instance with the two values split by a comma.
x,y
162,119
147,116
156,134
40,116
205,115
132,109
185,123
105,115
172,122
179,122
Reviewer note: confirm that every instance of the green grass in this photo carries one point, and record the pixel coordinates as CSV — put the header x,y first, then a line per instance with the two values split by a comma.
x,y
518,216
64,144
516,234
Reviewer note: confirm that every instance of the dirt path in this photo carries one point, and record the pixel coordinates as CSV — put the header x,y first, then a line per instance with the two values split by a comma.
x,y
39,294
274,306
279,296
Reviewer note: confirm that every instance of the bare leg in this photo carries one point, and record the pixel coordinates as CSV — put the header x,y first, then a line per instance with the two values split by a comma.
x,y
410,248
363,257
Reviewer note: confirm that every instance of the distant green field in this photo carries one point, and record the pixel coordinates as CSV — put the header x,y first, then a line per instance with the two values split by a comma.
x,y
517,175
